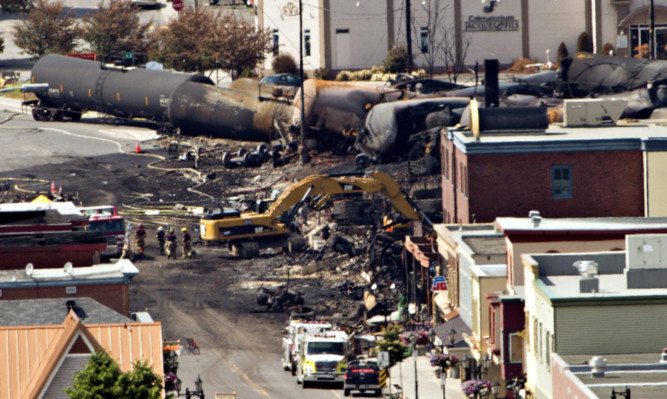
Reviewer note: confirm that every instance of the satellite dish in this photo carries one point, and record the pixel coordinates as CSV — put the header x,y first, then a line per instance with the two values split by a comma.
x,y
68,268
29,268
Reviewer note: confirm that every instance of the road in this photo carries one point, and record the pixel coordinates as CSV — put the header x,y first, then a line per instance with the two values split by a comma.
x,y
207,298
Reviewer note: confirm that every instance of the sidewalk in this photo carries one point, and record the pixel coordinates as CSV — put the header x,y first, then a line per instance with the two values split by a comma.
x,y
428,383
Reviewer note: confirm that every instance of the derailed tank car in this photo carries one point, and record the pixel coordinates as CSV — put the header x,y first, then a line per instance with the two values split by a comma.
x,y
389,126
336,111
77,86
189,102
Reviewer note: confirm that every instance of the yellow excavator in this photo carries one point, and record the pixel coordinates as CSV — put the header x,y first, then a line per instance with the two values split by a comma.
x,y
246,233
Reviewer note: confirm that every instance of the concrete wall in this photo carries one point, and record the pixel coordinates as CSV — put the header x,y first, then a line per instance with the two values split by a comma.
x,y
565,384
540,333
614,328
553,22
656,190
584,245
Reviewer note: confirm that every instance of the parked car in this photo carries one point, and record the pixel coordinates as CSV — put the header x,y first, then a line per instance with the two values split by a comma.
x,y
362,376
281,79
145,3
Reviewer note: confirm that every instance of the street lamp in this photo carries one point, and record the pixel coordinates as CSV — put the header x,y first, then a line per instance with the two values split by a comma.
x,y
198,392
443,372
495,389
413,340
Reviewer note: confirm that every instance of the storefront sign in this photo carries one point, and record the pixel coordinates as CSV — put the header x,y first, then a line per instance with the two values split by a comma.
x,y
290,9
482,23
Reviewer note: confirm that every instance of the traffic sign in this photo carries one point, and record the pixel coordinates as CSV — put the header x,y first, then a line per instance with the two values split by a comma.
x,y
383,359
439,284
177,4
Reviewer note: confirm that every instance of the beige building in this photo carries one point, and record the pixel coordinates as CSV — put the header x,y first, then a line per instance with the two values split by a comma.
x,y
594,303
356,34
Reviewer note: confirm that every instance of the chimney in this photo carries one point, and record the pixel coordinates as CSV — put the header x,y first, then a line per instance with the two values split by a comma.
x,y
535,218
663,356
589,281
70,305
598,364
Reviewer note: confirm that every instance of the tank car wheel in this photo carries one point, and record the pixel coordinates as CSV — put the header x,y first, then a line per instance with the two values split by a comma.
x,y
241,152
40,114
362,161
76,116
227,160
56,115
262,148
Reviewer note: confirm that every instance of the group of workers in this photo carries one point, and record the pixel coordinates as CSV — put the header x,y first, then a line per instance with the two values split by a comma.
x,y
166,239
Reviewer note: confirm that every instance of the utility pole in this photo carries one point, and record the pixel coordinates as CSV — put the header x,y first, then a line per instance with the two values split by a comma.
x,y
408,32
651,31
302,136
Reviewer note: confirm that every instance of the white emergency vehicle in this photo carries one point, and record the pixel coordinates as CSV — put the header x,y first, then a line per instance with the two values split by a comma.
x,y
295,330
322,357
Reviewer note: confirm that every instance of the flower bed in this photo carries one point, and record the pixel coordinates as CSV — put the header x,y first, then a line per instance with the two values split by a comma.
x,y
474,387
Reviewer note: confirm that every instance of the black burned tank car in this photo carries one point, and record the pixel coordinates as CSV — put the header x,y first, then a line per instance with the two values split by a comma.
x,y
77,85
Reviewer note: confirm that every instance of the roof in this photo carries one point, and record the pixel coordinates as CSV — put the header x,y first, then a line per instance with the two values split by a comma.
x,y
481,239
627,135
37,312
611,286
486,245
580,226
641,372
107,272
35,359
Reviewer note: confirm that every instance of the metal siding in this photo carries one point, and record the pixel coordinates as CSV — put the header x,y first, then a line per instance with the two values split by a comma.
x,y
610,329
65,377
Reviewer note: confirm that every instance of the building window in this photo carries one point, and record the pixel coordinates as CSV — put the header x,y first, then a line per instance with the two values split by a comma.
x,y
561,181
276,42
424,39
306,43
516,348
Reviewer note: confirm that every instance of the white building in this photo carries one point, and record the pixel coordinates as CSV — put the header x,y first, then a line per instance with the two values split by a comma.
x,y
355,34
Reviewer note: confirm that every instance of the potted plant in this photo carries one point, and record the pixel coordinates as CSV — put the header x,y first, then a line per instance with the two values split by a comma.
x,y
418,338
444,360
476,388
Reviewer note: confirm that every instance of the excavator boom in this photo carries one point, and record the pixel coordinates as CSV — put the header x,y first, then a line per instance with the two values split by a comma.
x,y
318,189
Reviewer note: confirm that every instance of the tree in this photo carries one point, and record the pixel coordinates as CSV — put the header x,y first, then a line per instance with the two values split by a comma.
x,y
115,28
97,380
179,45
562,52
284,63
200,40
238,45
391,342
47,28
584,43
141,382
14,6
102,379
439,41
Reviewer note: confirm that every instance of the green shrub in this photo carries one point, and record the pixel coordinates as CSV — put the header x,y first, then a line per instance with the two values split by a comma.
x,y
377,69
607,49
247,72
322,73
284,63
343,76
397,60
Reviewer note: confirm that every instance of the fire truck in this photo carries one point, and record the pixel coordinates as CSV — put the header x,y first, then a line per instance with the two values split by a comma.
x,y
322,357
105,218
297,330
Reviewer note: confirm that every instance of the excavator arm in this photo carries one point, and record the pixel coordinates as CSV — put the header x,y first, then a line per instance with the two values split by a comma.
x,y
318,189
326,187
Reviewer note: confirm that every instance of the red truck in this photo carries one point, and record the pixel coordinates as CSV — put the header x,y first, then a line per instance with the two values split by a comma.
x,y
362,376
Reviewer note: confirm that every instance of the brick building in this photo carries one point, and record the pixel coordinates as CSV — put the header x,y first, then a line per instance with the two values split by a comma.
x,y
106,283
563,172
